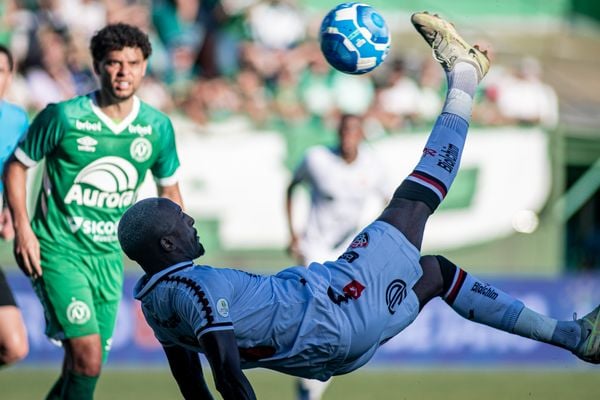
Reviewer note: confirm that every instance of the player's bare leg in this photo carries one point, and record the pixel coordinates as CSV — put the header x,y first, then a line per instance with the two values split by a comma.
x,y
13,337
81,368
423,190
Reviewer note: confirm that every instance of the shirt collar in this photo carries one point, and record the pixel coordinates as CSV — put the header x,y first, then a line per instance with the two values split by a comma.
x,y
146,283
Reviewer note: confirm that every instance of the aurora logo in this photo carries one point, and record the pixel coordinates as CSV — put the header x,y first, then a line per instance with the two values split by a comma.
x,y
108,182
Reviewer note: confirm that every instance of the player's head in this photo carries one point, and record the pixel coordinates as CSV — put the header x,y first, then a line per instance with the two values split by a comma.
x,y
351,134
120,55
156,233
6,68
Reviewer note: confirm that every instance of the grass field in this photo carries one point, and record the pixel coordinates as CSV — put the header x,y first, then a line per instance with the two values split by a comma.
x,y
488,384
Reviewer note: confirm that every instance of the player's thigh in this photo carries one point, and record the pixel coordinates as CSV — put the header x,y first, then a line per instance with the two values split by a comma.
x,y
12,329
373,281
107,284
13,335
106,315
66,293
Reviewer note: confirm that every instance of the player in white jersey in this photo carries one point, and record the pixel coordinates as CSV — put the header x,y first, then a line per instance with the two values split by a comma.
x,y
340,180
329,319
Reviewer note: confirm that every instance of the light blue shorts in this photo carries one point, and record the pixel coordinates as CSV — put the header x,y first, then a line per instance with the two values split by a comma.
x,y
372,283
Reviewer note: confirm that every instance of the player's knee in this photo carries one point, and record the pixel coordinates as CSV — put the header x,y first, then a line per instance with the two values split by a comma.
x,y
86,358
431,283
88,366
13,351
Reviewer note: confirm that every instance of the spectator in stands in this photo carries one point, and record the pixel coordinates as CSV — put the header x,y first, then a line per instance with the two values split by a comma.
x,y
523,98
54,80
397,102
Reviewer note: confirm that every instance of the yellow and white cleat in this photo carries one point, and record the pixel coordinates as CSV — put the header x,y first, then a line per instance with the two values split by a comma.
x,y
449,48
589,347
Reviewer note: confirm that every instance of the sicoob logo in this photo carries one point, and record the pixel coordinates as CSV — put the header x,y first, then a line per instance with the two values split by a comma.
x,y
394,294
362,240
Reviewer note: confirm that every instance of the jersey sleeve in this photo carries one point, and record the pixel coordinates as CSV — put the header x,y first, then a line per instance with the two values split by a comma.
x,y
301,173
23,127
166,165
42,137
204,310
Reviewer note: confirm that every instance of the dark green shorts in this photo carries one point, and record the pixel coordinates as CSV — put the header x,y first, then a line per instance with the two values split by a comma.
x,y
80,293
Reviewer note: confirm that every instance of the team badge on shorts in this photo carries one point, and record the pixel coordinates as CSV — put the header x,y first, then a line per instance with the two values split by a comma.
x,y
394,294
362,240
78,312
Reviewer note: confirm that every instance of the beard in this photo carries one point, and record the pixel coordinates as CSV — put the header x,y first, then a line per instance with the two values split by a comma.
x,y
200,251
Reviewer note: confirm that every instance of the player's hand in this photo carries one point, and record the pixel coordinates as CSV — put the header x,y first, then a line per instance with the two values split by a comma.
x,y
7,231
27,252
293,248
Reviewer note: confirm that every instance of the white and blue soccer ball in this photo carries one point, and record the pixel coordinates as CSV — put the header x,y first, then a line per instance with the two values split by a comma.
x,y
354,38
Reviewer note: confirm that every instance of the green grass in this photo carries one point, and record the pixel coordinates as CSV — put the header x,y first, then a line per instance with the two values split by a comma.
x,y
369,384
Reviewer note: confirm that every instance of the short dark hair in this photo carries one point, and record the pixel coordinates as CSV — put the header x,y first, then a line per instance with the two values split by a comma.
x,y
9,56
117,36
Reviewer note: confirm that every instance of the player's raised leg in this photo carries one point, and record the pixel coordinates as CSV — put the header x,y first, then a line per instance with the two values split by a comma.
x,y
423,190
481,302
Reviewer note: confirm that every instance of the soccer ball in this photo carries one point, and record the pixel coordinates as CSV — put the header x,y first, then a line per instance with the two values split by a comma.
x,y
354,38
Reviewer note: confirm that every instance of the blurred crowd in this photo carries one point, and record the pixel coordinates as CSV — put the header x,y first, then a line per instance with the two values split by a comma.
x,y
213,59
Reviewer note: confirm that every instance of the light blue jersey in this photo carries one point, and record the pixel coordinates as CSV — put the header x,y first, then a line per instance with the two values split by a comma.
x,y
315,322
13,126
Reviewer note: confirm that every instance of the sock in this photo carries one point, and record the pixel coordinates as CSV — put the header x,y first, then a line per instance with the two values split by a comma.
x,y
55,391
565,334
78,387
480,302
432,177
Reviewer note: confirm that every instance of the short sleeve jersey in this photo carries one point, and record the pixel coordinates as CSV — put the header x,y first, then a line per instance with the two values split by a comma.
x,y
338,192
280,321
94,167
14,123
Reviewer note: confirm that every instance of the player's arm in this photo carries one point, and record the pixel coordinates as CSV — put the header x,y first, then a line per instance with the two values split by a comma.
x,y
187,371
171,192
26,246
223,355
43,137
293,248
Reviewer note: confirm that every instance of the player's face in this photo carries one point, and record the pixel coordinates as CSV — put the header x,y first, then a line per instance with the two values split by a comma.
x,y
187,236
121,72
5,74
351,135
